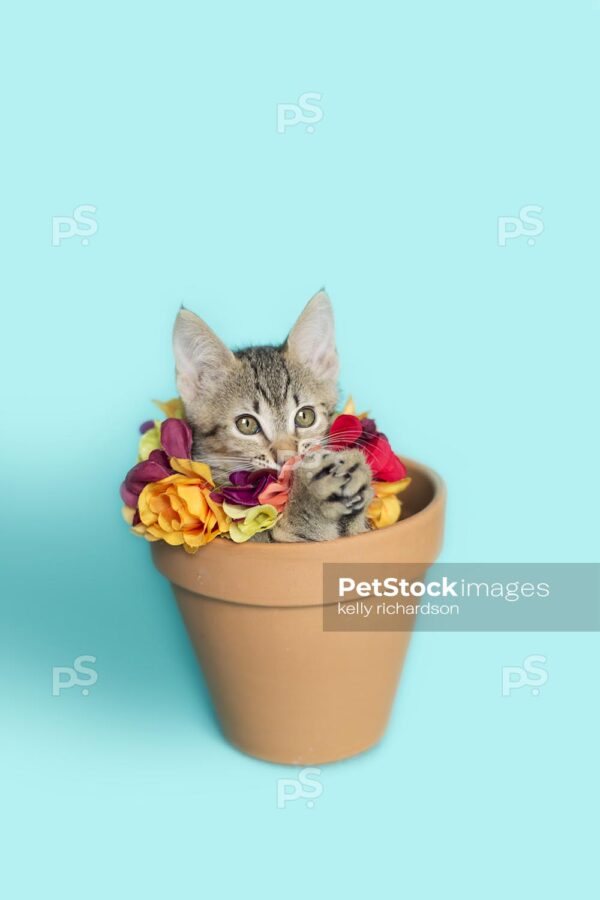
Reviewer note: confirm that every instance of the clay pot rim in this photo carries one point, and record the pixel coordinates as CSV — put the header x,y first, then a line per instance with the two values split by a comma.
x,y
270,548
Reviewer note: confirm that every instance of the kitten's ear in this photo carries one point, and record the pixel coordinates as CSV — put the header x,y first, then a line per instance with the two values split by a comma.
x,y
311,341
200,356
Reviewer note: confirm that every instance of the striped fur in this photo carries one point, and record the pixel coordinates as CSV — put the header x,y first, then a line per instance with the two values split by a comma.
x,y
272,383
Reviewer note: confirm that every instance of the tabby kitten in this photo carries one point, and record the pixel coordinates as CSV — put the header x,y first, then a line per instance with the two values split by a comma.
x,y
253,408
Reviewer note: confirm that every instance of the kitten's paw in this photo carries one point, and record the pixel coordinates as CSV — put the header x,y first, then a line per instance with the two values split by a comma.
x,y
340,481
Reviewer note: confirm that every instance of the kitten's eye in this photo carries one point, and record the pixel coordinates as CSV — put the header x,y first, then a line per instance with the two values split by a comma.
x,y
247,425
305,417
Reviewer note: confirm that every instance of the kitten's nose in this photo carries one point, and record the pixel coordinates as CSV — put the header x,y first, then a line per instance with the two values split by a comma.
x,y
285,442
283,447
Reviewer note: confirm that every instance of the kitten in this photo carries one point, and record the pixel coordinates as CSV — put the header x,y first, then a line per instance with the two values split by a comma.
x,y
253,408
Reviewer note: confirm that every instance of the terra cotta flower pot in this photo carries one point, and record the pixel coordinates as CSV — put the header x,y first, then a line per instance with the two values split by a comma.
x,y
284,689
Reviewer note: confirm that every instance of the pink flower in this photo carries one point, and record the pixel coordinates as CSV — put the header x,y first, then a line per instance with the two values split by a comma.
x,y
277,493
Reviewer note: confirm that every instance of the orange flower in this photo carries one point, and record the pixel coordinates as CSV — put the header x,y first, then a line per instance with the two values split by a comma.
x,y
385,508
179,509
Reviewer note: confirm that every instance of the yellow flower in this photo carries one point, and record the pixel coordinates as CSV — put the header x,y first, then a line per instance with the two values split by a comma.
x,y
149,441
128,513
179,509
173,409
388,488
386,508
384,511
350,410
254,519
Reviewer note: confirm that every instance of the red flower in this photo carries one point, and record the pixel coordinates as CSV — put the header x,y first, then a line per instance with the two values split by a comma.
x,y
346,430
350,431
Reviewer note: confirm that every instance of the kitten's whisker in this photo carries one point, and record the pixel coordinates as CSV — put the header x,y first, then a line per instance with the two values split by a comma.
x,y
219,459
223,456
342,437
225,462
375,453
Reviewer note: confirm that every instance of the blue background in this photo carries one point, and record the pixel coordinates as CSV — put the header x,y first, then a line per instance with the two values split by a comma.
x,y
476,358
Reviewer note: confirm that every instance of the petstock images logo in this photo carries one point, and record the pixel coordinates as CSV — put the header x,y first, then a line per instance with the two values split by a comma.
x,y
461,597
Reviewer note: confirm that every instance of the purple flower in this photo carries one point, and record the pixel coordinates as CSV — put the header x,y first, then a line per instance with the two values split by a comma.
x,y
245,487
154,468
146,426
369,429
176,438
